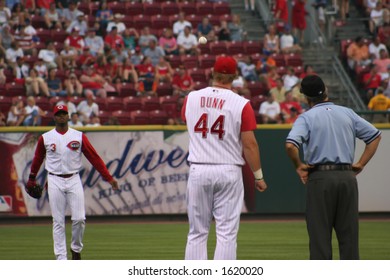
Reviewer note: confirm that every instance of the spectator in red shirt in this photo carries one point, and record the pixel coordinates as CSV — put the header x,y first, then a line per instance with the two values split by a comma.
x,y
182,82
86,58
307,70
371,81
281,10
290,109
147,82
112,39
75,41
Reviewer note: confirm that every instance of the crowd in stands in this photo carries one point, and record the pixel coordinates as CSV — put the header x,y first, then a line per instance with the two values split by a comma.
x,y
116,63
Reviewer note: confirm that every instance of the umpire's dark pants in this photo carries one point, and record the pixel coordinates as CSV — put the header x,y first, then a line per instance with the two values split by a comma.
x,y
332,202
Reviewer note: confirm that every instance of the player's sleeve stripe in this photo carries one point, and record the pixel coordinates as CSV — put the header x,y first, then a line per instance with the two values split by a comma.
x,y
295,143
373,137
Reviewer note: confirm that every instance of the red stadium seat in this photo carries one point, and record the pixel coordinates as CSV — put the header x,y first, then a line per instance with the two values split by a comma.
x,y
189,61
169,8
43,103
218,48
279,59
234,47
38,21
117,7
160,21
139,117
204,8
140,21
188,8
84,7
152,9
123,117
256,101
200,85
158,117
293,59
76,100
204,48
59,35
150,103
298,70
44,34
102,103
5,104
134,8
281,70
127,89
344,44
252,47
195,19
14,89
198,74
54,100
164,89
221,8
104,116
115,103
226,17
47,119
206,61
174,60
257,88
132,103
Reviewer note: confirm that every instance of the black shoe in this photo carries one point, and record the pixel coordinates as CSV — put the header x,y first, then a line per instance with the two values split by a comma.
x,y
75,256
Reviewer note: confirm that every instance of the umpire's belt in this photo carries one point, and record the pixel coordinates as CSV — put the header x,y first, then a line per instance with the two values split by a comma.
x,y
63,175
331,167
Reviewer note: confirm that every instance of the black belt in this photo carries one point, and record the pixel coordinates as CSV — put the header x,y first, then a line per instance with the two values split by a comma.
x,y
63,175
331,167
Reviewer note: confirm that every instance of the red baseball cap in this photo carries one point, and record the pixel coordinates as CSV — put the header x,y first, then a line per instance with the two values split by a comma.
x,y
225,65
60,108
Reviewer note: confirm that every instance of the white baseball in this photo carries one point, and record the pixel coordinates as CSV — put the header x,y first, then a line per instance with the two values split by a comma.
x,y
202,40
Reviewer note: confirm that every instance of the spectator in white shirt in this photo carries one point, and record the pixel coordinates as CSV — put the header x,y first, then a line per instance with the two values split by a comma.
x,y
187,42
74,120
33,113
288,43
5,13
290,80
376,17
94,42
178,26
88,108
270,110
117,22
12,53
375,47
79,23
50,56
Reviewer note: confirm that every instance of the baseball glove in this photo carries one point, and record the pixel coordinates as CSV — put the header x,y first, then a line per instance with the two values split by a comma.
x,y
34,191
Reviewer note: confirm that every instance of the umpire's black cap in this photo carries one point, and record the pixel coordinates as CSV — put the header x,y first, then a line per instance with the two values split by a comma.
x,y
312,86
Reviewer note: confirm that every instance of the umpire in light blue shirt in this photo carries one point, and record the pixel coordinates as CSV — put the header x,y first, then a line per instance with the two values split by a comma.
x,y
327,134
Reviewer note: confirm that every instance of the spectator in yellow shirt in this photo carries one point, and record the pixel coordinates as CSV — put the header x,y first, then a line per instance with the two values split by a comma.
x,y
379,102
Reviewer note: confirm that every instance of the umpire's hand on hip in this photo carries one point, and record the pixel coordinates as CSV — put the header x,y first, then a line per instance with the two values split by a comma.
x,y
303,172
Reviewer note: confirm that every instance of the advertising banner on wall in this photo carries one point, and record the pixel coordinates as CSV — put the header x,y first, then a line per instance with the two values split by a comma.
x,y
152,173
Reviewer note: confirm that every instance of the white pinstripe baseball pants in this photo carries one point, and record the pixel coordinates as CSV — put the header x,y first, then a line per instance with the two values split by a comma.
x,y
63,192
214,190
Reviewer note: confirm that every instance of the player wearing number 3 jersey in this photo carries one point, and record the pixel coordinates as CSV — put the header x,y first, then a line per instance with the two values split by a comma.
x,y
220,126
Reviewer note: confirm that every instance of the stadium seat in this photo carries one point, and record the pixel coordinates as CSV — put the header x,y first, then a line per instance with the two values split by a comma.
x,y
204,8
102,103
234,48
14,89
206,61
174,60
93,7
139,117
150,103
152,9
293,59
252,47
187,7
127,89
204,48
198,74
279,59
47,119
132,103
217,48
44,34
160,21
59,35
171,109
298,70
169,8
140,21
84,7
256,57
200,85
226,17
256,101
189,61
38,21
259,118
104,116
31,60
195,19
5,104
221,8
164,89
43,103
54,100
158,117
123,117
117,7
134,8
344,44
257,88
58,46
76,100
115,103
281,70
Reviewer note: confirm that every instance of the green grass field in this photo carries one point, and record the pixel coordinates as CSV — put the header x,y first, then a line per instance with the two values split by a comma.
x,y
263,240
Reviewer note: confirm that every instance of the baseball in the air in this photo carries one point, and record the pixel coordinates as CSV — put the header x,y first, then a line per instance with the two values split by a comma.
x,y
202,40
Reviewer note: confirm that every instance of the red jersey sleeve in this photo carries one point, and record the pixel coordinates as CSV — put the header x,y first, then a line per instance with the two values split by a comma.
x,y
92,156
183,110
248,120
39,156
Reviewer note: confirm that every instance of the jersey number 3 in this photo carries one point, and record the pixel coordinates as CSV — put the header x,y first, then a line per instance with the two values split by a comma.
x,y
201,126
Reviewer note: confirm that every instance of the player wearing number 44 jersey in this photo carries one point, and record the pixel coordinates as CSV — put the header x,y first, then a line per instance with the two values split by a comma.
x,y
63,147
220,126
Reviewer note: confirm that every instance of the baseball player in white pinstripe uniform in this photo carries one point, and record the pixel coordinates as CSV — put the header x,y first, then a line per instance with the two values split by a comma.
x,y
220,125
63,147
